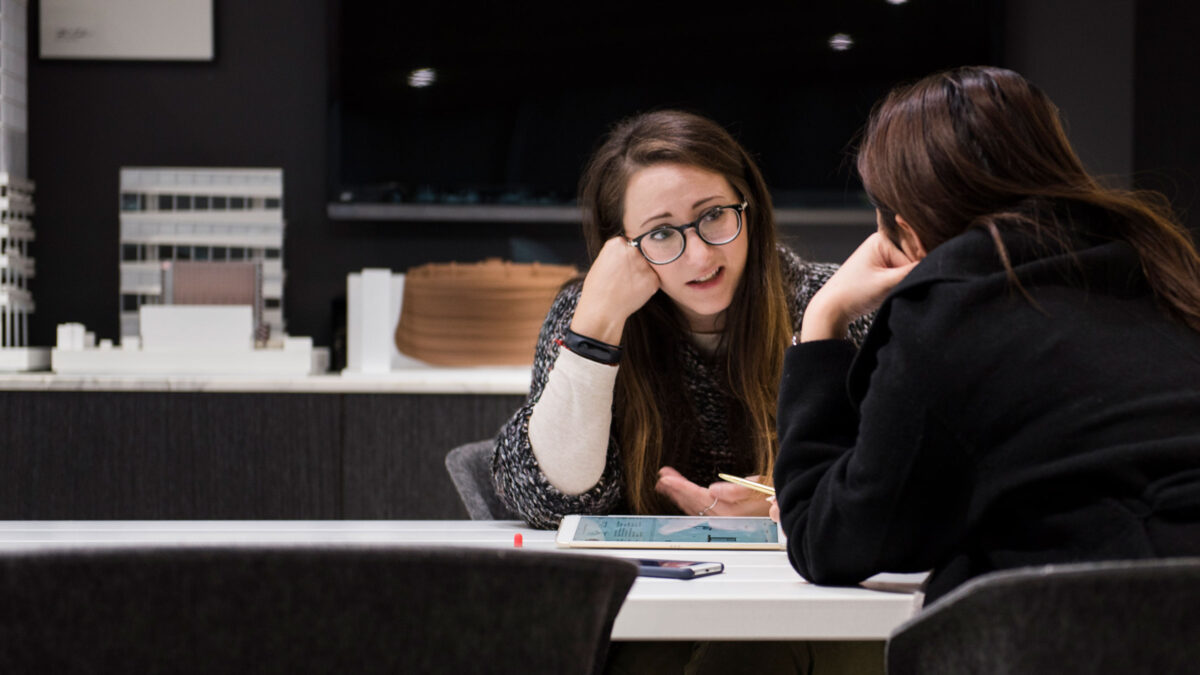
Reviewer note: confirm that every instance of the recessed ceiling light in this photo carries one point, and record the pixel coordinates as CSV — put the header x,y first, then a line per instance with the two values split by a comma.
x,y
841,42
896,2
422,77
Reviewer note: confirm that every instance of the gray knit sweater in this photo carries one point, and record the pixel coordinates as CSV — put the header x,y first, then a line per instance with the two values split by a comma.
x,y
519,480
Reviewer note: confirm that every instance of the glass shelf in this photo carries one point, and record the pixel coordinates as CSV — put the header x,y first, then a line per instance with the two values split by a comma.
x,y
566,215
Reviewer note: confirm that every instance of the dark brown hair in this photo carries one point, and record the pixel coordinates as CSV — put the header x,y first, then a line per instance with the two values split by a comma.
x,y
983,147
654,422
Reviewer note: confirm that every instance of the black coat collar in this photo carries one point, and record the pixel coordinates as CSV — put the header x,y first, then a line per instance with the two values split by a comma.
x,y
1109,267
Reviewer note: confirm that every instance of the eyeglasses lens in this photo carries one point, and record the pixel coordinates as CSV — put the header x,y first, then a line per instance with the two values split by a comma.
x,y
716,227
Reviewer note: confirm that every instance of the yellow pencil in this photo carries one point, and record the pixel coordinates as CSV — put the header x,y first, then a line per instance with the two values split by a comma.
x,y
765,489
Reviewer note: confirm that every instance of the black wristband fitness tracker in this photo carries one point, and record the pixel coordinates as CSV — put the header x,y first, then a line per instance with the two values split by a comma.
x,y
593,350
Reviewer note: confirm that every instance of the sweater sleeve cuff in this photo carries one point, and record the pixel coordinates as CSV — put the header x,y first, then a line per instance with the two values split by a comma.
x,y
585,372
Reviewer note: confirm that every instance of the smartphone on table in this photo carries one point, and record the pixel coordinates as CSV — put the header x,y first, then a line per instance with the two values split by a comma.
x,y
677,569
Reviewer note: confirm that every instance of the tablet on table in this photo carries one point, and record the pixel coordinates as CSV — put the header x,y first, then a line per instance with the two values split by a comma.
x,y
699,532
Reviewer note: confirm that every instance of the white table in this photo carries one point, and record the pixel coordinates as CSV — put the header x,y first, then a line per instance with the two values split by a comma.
x,y
758,597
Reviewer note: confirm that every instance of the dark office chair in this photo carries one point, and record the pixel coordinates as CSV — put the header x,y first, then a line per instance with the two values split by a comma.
x,y
1094,618
470,467
296,609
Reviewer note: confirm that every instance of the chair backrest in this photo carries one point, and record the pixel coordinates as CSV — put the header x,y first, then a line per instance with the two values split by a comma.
x,y
1095,618
470,467
297,609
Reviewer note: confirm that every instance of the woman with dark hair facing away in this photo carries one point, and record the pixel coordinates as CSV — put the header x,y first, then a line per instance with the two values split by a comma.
x,y
1030,390
660,369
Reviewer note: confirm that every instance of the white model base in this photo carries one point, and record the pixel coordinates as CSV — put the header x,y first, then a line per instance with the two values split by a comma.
x,y
20,359
298,357
226,328
373,300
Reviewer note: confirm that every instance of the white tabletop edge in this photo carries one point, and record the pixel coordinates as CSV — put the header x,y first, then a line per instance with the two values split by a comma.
x,y
758,597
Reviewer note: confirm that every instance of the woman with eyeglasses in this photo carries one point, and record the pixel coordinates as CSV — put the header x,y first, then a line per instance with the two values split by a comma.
x,y
1030,390
660,369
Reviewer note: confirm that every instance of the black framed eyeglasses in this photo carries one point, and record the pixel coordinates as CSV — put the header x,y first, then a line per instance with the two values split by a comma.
x,y
716,226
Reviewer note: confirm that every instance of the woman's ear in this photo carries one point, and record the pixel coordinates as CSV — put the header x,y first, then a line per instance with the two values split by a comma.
x,y
910,243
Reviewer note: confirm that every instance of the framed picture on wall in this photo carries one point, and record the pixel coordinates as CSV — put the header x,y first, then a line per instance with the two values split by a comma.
x,y
144,30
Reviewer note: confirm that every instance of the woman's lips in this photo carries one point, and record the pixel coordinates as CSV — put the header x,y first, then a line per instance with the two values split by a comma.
x,y
708,280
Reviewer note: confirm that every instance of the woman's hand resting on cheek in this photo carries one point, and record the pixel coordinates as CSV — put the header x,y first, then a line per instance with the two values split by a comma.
x,y
718,499
856,289
618,283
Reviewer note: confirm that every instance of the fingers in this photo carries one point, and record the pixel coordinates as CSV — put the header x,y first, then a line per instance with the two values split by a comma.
x,y
773,514
728,492
863,281
718,499
669,471
691,498
618,283
889,254
735,500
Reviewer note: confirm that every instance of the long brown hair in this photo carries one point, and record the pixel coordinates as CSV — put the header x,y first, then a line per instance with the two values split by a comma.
x,y
654,422
983,147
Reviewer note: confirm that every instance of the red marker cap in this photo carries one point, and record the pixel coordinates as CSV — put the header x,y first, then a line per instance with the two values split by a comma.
x,y
518,540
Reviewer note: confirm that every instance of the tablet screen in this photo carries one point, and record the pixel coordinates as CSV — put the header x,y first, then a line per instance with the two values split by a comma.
x,y
686,531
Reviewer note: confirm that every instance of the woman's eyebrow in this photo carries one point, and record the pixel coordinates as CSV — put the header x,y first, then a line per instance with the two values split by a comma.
x,y
661,215
668,213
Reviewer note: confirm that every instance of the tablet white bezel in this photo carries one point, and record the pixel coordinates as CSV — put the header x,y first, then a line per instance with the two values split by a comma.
x,y
565,538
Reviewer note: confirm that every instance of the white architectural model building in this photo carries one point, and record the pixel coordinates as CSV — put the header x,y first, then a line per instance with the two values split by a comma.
x,y
201,261
373,299
205,221
16,198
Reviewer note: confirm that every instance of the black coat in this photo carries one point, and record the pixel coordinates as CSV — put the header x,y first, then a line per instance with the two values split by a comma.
x,y
982,432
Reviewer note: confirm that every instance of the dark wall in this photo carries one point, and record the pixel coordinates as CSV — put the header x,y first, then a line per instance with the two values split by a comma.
x,y
1081,53
1167,110
262,102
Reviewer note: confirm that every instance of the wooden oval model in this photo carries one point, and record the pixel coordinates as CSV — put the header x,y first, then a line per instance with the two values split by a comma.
x,y
477,314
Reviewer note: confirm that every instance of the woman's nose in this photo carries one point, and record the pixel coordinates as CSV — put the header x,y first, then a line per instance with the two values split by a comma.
x,y
697,250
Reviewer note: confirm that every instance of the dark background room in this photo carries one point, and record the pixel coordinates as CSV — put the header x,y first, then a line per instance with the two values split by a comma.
x,y
281,92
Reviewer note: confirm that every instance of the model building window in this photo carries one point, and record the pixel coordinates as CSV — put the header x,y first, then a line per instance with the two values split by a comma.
x,y
236,253
200,253
132,201
219,252
237,203
200,202
183,202
272,254
219,203
271,303
183,252
130,252
272,203
166,203
166,252
129,302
